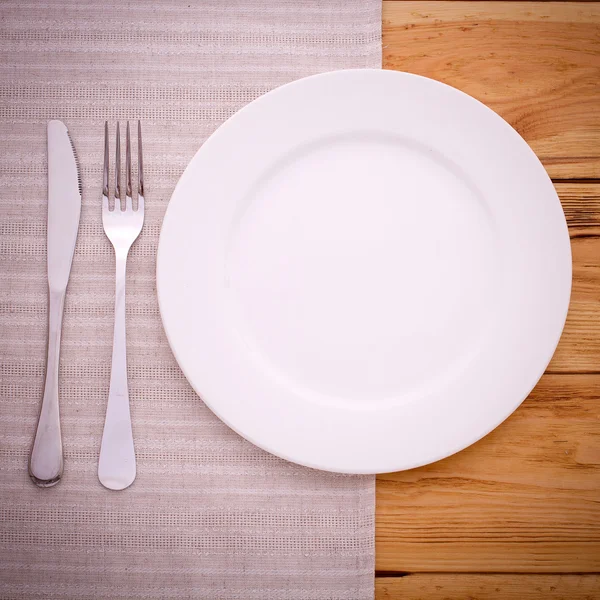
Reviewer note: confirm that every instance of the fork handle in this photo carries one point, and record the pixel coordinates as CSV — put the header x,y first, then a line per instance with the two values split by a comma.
x,y
46,458
116,466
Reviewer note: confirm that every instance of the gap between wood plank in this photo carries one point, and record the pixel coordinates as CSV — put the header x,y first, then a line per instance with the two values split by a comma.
x,y
561,373
575,180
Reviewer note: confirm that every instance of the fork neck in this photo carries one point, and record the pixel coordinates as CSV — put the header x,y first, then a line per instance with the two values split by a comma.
x,y
119,344
120,277
121,255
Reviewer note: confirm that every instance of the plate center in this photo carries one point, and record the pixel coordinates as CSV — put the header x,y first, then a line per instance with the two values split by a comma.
x,y
362,269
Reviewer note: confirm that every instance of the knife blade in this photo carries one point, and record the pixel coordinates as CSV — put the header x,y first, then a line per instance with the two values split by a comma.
x,y
64,209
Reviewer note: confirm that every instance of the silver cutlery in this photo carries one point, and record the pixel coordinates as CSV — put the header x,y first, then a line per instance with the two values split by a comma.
x,y
116,466
64,208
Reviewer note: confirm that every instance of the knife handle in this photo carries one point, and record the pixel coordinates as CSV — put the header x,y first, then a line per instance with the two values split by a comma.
x,y
46,459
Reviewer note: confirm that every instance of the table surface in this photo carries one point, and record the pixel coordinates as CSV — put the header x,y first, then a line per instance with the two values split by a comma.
x,y
516,515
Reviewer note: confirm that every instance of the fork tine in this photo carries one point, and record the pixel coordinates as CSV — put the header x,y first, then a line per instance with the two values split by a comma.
x,y
118,169
105,170
128,203
140,168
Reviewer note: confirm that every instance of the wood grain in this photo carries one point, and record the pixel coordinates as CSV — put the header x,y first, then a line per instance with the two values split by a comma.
x,y
579,347
535,63
581,203
442,586
526,498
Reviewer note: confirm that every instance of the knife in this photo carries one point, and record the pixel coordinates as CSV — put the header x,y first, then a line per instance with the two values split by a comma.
x,y
64,208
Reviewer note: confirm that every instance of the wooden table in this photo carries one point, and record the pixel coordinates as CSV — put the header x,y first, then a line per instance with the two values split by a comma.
x,y
517,515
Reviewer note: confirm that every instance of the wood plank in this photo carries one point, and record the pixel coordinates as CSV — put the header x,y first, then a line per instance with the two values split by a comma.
x,y
579,347
526,498
444,586
581,203
535,63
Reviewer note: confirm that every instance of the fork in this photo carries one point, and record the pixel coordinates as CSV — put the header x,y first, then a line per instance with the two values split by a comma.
x,y
116,466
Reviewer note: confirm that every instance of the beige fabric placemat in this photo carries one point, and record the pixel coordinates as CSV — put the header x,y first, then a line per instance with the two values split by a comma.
x,y
209,515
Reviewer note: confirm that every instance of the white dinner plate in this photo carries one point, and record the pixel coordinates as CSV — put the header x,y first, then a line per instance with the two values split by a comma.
x,y
364,271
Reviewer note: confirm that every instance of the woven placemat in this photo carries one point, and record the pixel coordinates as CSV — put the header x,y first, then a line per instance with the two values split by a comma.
x,y
209,515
